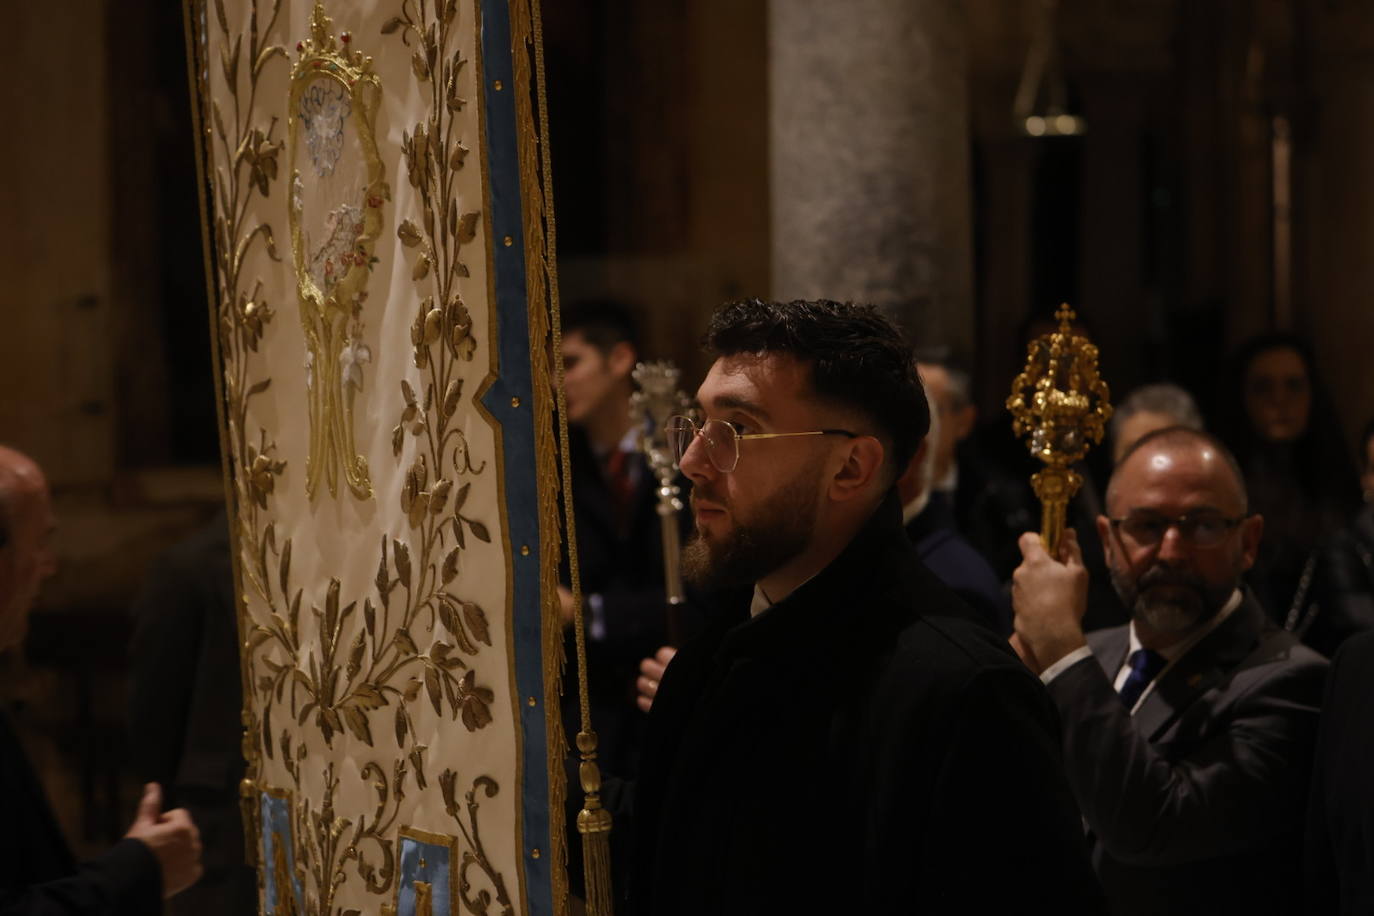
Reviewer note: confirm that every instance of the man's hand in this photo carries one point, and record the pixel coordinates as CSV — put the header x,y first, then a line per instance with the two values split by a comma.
x,y
1050,598
565,605
650,673
173,839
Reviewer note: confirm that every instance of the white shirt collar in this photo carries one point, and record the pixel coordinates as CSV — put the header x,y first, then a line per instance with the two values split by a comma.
x,y
760,602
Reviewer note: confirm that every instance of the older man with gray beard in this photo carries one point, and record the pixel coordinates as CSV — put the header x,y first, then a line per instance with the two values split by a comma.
x,y
1188,733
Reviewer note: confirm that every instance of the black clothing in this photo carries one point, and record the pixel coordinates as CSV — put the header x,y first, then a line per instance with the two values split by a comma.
x,y
954,561
621,567
1195,802
1339,861
1299,516
38,874
995,504
849,750
185,705
1340,602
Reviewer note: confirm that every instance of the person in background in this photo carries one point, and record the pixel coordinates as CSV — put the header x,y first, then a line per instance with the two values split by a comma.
x,y
1188,733
160,855
990,507
928,516
1151,408
1342,596
1338,861
185,708
619,535
950,389
1284,431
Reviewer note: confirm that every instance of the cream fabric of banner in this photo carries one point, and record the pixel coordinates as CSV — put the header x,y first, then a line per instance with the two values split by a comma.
x,y
356,332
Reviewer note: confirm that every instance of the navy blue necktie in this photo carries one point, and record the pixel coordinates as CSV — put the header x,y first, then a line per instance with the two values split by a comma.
x,y
1145,664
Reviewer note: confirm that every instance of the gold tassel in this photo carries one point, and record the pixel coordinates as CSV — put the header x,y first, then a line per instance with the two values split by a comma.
x,y
594,823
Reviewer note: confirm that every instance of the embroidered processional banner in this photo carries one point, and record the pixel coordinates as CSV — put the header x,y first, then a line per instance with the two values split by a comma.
x,y
380,245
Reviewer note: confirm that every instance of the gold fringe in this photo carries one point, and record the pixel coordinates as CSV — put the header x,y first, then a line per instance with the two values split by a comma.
x,y
593,821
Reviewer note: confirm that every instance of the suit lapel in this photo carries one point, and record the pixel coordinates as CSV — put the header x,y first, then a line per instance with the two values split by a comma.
x,y
1109,648
1200,669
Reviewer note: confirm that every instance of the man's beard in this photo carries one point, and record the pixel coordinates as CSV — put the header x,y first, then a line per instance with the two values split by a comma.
x,y
781,528
1189,603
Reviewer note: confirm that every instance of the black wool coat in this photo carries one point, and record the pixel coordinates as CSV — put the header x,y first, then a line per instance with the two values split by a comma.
x,y
39,876
861,746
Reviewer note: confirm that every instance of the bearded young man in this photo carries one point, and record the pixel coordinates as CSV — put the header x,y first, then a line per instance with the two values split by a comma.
x,y
1189,733
842,738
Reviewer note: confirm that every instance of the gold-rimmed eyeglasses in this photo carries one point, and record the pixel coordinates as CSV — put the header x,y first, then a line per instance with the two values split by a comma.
x,y
722,439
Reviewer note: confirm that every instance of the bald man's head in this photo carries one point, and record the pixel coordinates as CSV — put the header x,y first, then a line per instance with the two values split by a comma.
x,y
26,526
1183,438
1178,535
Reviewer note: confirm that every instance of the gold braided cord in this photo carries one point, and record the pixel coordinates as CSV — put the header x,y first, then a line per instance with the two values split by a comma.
x,y
565,452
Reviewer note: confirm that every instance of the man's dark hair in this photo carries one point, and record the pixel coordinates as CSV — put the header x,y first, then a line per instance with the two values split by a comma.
x,y
859,360
1179,436
602,322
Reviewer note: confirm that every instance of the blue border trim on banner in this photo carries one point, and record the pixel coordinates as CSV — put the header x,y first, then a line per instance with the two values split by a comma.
x,y
517,426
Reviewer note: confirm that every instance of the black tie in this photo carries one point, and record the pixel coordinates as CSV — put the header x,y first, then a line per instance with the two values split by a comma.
x,y
1145,664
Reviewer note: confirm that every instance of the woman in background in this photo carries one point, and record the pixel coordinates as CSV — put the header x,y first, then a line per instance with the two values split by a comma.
x,y
1285,433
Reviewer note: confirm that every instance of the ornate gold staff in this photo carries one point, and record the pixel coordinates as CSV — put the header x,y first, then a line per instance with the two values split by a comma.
x,y
657,399
1063,404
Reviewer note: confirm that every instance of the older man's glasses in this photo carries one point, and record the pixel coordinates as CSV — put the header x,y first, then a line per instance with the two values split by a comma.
x,y
722,439
1200,529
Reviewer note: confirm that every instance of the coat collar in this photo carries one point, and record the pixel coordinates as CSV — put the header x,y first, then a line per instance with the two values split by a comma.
x,y
1201,668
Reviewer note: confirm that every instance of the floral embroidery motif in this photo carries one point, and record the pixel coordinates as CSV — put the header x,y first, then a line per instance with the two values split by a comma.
x,y
324,109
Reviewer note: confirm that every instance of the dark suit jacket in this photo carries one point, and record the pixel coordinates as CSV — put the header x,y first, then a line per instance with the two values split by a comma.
x,y
39,876
956,563
1340,825
1195,803
848,751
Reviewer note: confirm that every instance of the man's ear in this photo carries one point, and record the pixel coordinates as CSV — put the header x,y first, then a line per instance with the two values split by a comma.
x,y
1104,534
863,463
1251,532
621,359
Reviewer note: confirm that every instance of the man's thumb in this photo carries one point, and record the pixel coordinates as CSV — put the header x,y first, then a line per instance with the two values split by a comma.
x,y
150,806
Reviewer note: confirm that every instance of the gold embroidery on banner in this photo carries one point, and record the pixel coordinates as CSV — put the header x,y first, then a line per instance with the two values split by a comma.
x,y
239,156
334,99
475,854
337,674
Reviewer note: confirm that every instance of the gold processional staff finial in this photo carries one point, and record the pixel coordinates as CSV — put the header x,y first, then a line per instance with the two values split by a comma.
x,y
1062,405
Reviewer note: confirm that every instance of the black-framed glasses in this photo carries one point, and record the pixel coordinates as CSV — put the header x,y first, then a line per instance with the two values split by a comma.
x,y
1200,529
722,439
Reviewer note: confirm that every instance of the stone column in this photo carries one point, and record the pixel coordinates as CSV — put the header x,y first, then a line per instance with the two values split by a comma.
x,y
870,195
